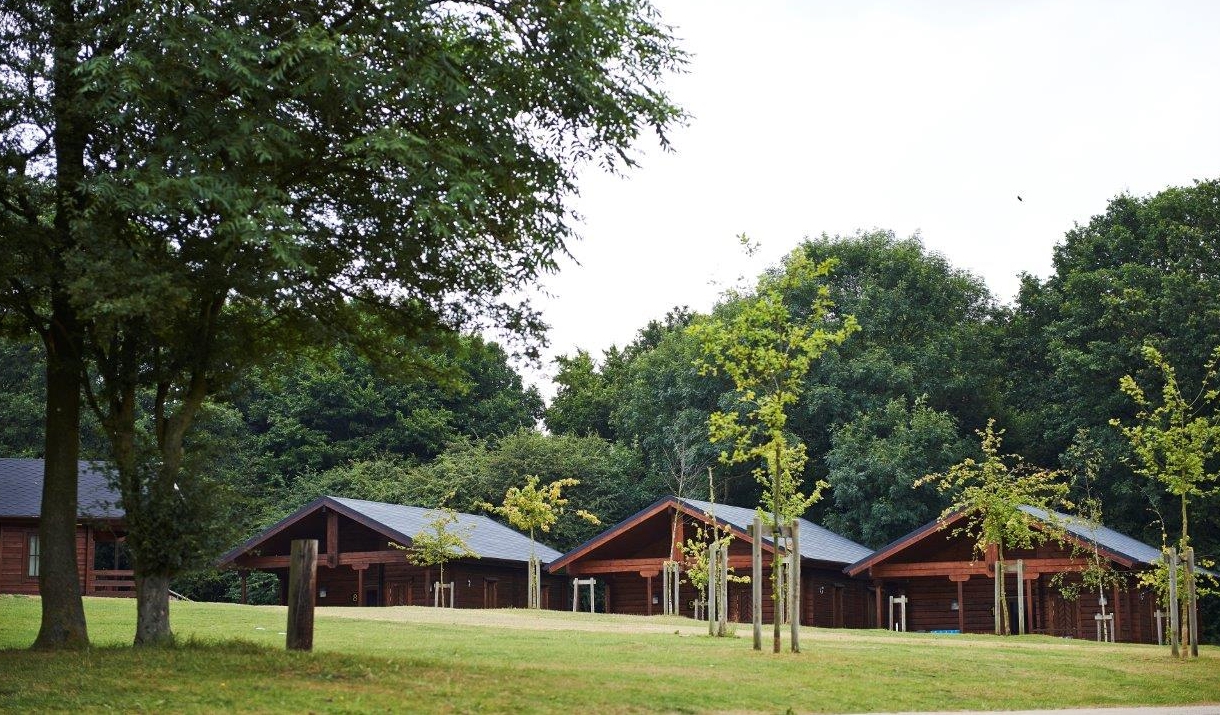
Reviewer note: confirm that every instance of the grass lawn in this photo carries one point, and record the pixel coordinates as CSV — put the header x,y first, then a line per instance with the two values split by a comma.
x,y
421,659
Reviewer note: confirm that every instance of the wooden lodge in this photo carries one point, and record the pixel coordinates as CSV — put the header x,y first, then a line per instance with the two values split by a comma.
x,y
949,589
359,566
102,563
628,559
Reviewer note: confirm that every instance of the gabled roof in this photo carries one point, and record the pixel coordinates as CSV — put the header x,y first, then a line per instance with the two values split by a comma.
x,y
1106,538
21,490
817,543
487,538
1110,543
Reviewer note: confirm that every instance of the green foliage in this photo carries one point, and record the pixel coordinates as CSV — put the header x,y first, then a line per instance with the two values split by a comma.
x,y
321,411
532,508
191,192
585,396
442,544
876,458
1083,459
694,558
927,330
990,493
1144,271
1176,442
766,353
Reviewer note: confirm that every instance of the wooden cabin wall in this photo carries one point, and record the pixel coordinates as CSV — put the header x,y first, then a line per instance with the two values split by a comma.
x,y
841,604
930,599
403,584
14,557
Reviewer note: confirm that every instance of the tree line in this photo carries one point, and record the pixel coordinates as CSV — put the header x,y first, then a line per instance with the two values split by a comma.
x,y
935,358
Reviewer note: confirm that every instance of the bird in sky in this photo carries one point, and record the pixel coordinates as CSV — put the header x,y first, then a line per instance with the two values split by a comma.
x,y
1020,199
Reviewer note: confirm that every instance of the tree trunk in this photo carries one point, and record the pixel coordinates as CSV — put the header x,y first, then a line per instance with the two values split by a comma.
x,y
152,611
63,612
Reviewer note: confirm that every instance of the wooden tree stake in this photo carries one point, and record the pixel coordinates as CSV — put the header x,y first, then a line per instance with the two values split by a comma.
x,y
756,580
1192,603
713,590
1174,609
1021,596
302,570
794,586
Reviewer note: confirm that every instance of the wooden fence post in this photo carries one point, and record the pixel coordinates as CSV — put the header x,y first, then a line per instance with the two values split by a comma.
x,y
302,570
756,580
794,586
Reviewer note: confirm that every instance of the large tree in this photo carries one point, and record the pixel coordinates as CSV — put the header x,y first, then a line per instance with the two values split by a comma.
x,y
190,191
1146,271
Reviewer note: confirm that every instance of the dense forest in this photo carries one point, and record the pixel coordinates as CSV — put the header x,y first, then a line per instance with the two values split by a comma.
x,y
937,355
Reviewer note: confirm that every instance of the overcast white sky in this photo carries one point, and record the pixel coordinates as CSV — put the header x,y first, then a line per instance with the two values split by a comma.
x,y
813,117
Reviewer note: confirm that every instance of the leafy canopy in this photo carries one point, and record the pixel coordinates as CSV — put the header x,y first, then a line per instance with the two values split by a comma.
x,y
531,507
441,543
765,352
990,494
1175,442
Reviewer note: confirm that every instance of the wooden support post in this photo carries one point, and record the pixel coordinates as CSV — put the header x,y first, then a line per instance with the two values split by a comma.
x,y
1116,603
756,580
1021,596
794,587
593,603
302,571
359,586
332,538
879,588
1159,615
575,595
1192,603
647,592
244,590
1174,609
961,608
1029,606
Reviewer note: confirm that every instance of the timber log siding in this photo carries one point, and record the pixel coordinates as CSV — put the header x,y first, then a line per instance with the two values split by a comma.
x,y
627,560
949,589
99,533
359,566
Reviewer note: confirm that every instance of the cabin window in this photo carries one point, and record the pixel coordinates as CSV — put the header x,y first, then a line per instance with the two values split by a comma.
x,y
35,555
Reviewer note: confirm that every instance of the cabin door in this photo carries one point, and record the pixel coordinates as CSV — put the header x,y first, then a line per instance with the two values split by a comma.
x,y
490,593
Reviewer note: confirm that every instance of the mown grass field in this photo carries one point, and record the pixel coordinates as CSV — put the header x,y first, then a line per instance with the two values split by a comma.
x,y
422,660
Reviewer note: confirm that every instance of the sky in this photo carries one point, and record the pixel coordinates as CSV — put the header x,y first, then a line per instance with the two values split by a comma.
x,y
916,117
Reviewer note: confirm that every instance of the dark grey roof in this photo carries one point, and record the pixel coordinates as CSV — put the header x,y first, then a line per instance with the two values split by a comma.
x,y
818,543
21,490
488,538
1105,537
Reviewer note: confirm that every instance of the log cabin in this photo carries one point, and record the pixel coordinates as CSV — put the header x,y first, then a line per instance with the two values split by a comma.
x,y
358,564
628,558
949,588
101,559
